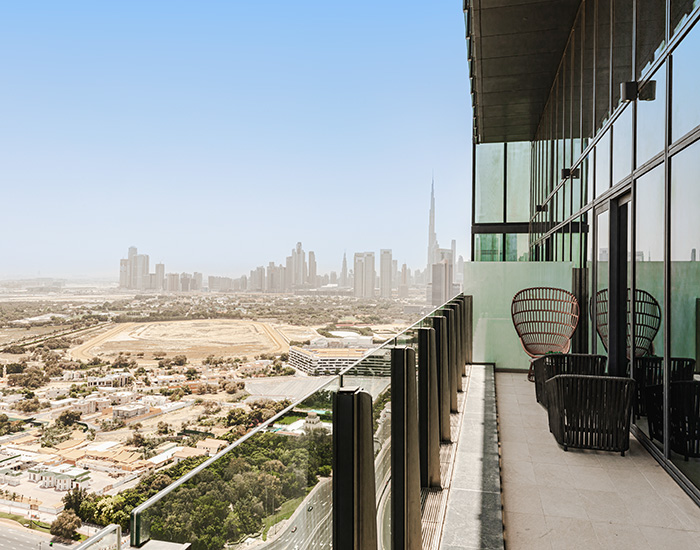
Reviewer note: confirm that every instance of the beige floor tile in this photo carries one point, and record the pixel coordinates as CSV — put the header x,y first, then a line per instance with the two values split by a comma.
x,y
684,508
515,450
658,537
522,498
560,502
651,512
593,478
547,454
605,506
511,433
525,531
518,471
552,475
571,534
581,457
616,536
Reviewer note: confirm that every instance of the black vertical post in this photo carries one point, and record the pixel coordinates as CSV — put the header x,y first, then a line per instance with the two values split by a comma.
x,y
405,461
617,338
456,306
354,493
443,376
451,356
428,419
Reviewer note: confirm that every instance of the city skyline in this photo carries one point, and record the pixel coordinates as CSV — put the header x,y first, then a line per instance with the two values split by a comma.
x,y
212,151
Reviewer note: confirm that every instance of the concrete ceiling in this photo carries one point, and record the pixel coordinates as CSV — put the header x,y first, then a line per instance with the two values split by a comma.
x,y
516,47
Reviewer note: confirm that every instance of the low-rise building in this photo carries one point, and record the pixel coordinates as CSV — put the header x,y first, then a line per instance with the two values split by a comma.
x,y
325,360
112,380
130,410
60,478
211,446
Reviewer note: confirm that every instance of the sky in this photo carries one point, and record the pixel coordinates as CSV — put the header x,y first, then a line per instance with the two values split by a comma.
x,y
214,135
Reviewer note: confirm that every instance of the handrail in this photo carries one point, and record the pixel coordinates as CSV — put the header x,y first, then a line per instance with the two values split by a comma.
x,y
89,543
192,473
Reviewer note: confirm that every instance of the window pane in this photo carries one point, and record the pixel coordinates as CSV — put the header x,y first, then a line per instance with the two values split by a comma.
x,y
685,290
651,117
489,182
602,69
518,181
686,108
517,248
602,165
588,68
680,10
622,145
622,45
576,90
488,247
651,33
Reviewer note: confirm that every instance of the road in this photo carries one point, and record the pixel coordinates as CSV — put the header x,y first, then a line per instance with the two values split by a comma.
x,y
307,528
15,537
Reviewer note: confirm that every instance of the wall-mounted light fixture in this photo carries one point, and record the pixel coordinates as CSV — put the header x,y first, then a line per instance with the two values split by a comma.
x,y
540,208
648,91
628,91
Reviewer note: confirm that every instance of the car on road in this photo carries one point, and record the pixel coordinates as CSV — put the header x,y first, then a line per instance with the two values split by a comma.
x,y
310,508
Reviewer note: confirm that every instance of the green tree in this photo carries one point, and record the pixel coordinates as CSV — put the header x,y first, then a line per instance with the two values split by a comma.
x,y
66,524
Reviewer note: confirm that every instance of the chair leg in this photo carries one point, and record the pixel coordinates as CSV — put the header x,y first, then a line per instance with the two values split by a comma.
x,y
531,373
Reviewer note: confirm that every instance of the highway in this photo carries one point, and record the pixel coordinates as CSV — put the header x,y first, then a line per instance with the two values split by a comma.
x,y
307,528
20,538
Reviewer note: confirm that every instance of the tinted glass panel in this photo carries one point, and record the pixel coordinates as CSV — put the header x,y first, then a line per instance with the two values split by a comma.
x,y
651,117
488,248
622,145
686,107
651,33
602,73
588,68
518,181
649,258
622,45
680,10
602,165
489,182
685,310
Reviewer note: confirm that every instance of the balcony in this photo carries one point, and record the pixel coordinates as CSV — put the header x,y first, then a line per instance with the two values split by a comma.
x,y
434,441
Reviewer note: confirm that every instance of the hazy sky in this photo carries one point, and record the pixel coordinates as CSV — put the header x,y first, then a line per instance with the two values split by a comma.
x,y
214,135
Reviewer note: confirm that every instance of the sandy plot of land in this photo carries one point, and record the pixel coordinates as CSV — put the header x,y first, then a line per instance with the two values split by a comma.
x,y
196,339
13,334
293,332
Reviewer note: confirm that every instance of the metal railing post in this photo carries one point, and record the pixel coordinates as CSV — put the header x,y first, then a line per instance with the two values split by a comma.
x,y
452,356
405,454
443,377
354,493
428,416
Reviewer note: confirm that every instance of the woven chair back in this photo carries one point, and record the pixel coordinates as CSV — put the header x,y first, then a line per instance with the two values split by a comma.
x,y
647,313
545,319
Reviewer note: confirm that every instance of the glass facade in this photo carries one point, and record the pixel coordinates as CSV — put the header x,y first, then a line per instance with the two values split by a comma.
x,y
613,190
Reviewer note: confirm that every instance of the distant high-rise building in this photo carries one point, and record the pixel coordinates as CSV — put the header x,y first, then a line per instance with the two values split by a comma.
x,y
289,274
344,281
299,264
403,283
196,280
312,269
139,271
160,276
432,236
123,273
364,275
385,273
172,282
442,282
185,282
359,274
394,274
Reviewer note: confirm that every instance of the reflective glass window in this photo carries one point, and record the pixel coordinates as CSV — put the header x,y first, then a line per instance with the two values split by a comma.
x,y
576,89
518,181
622,145
685,310
680,12
489,182
651,34
623,13
651,117
685,105
602,165
517,247
602,68
588,70
488,247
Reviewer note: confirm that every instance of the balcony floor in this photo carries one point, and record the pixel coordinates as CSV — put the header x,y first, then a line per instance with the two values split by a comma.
x,y
582,499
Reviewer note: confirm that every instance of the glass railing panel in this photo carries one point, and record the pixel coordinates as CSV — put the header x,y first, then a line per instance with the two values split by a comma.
x,y
271,489
108,538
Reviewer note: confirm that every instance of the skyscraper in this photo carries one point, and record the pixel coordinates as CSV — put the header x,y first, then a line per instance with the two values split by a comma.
x,y
160,276
299,265
432,236
359,271
312,269
385,273
344,272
